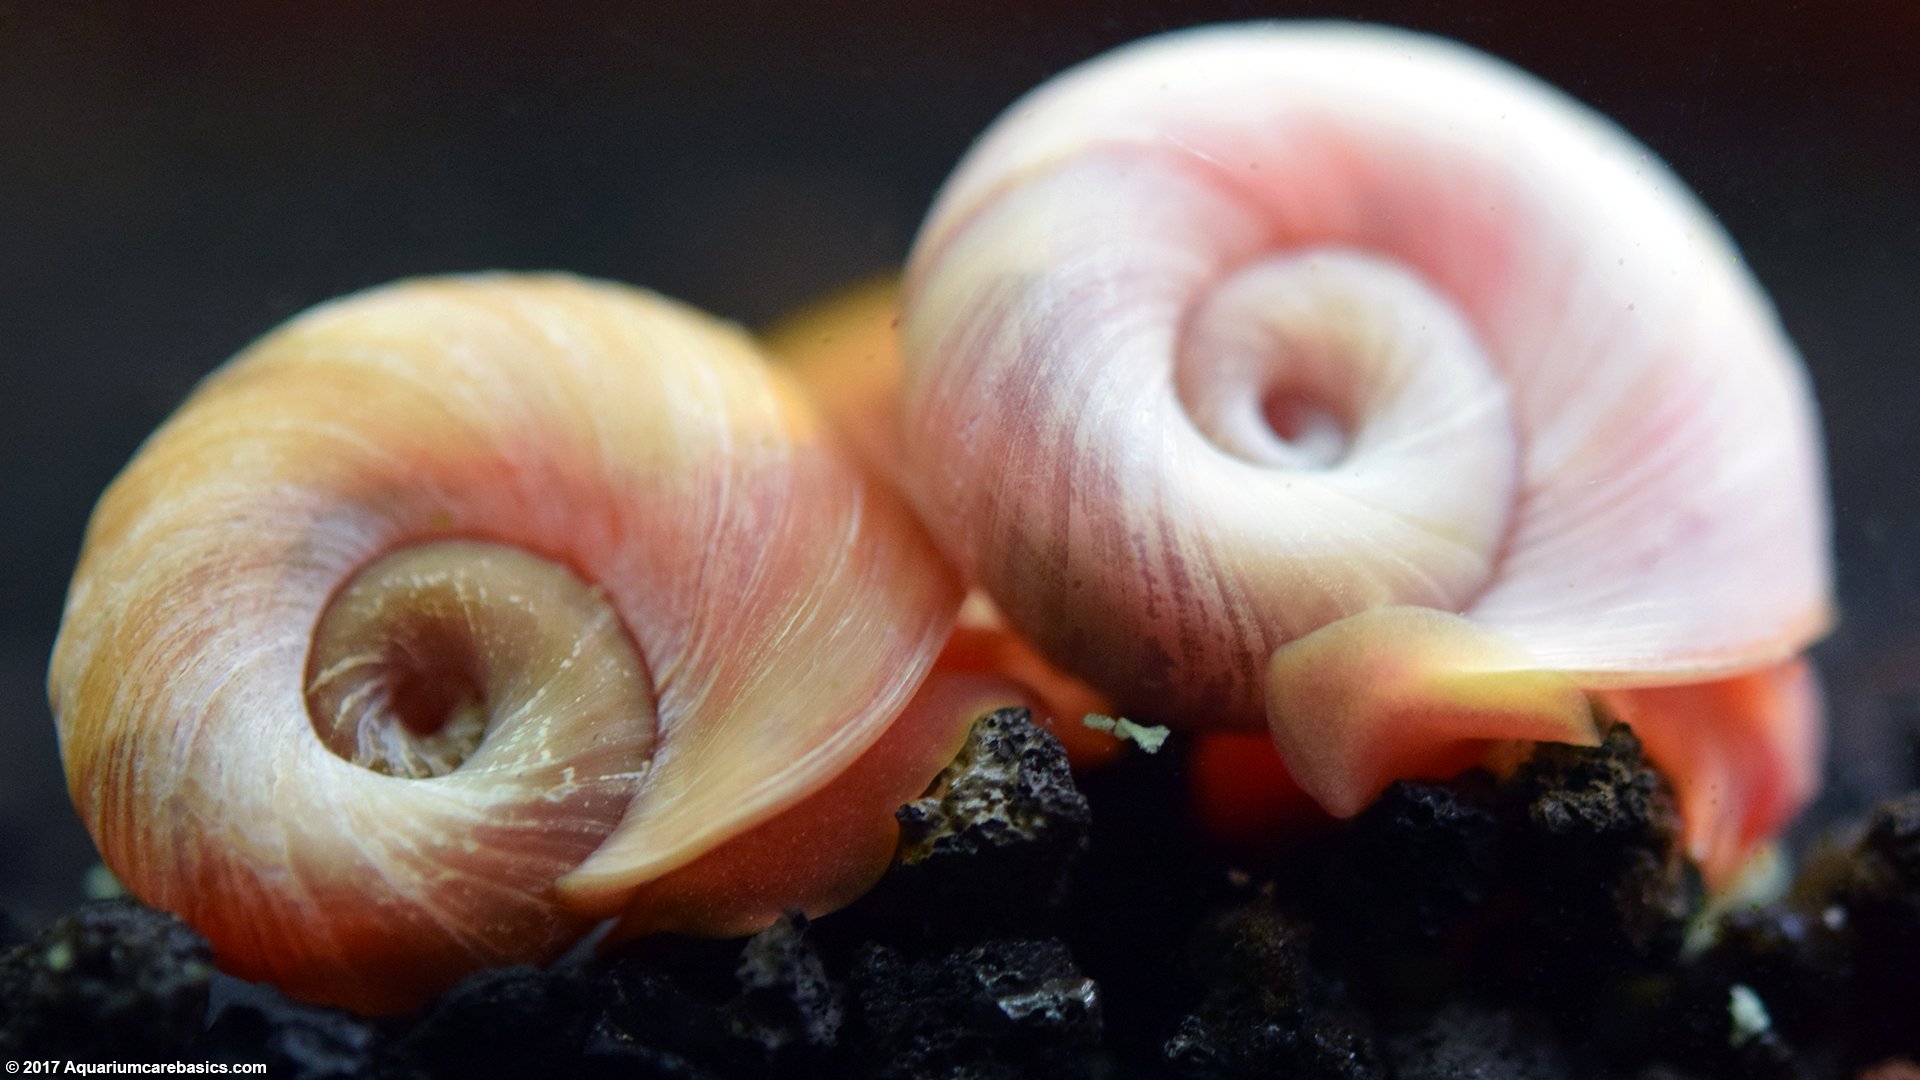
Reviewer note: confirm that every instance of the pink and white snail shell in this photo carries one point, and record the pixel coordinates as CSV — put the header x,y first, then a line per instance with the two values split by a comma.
x,y
1351,383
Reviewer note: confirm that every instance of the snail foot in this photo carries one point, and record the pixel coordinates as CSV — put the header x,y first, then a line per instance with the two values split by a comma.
x,y
1395,693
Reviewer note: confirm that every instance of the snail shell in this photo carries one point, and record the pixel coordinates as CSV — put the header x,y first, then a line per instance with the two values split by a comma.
x,y
1348,382
457,615
845,350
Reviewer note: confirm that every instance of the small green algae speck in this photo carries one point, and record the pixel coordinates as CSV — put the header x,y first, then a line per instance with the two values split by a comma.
x,y
1146,737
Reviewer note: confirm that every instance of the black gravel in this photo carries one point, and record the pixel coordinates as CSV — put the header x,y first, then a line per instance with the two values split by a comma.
x,y
294,1041
1540,926
991,847
1268,1010
113,979
998,1011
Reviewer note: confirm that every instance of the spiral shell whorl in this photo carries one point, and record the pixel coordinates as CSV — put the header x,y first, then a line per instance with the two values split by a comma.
x,y
645,457
1635,529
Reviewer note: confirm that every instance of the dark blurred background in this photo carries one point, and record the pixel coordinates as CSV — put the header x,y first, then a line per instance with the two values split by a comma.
x,y
176,179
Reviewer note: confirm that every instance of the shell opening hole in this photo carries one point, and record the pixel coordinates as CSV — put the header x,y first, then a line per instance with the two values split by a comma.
x,y
402,675
1272,403
455,654
1314,429
1282,362
434,684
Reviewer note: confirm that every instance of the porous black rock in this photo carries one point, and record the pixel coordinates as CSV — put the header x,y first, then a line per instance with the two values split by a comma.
x,y
1474,1041
1551,885
1726,1030
113,980
992,843
1797,961
612,1053
1267,1011
1480,927
293,1040
1595,887
1001,1010
786,1000
1605,790
508,1022
1886,872
1146,880
1877,898
1604,877
1401,897
652,1025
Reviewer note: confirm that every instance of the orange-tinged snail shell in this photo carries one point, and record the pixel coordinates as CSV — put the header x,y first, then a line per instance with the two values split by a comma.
x,y
457,615
1347,382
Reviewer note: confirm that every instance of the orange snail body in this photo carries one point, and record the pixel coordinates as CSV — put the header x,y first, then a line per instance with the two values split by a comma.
x,y
1346,383
455,616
